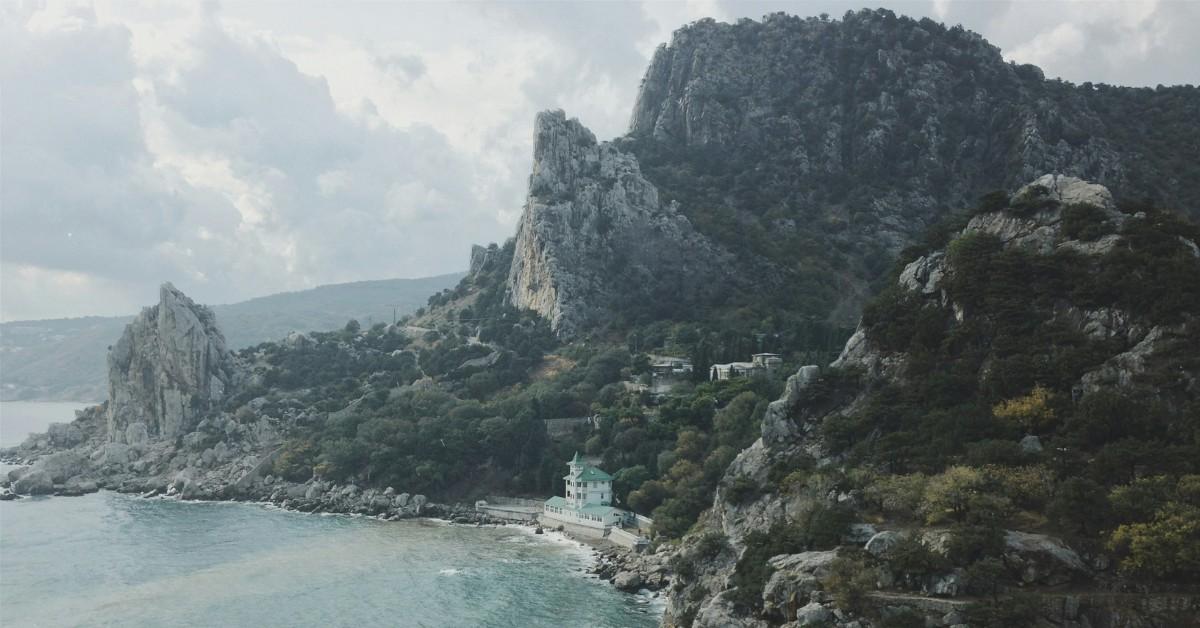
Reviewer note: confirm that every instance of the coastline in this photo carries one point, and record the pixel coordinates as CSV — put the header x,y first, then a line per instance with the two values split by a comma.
x,y
598,560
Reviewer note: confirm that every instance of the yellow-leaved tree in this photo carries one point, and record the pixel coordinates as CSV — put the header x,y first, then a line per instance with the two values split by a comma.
x,y
1033,412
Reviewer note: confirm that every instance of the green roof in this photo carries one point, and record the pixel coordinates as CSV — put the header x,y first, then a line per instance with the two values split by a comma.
x,y
592,474
557,502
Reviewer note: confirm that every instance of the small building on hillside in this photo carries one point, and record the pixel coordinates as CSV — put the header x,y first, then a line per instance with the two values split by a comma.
x,y
671,367
666,373
768,361
730,370
587,500
760,363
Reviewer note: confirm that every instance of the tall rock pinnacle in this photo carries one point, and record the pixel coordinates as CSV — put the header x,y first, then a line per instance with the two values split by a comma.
x,y
167,369
594,234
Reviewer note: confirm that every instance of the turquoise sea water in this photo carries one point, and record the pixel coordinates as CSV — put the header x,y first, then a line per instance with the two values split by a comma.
x,y
116,560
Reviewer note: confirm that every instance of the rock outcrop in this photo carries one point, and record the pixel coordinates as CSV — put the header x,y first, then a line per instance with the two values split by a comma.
x,y
168,369
595,237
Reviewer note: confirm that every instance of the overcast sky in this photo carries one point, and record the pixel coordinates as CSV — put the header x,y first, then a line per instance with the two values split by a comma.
x,y
243,148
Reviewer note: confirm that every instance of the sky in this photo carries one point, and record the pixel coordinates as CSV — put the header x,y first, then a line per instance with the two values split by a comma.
x,y
243,148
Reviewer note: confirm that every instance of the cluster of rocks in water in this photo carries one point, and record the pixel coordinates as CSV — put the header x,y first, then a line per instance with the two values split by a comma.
x,y
633,571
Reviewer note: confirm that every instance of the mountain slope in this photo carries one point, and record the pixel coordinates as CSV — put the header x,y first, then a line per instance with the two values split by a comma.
x,y
1017,411
65,358
828,146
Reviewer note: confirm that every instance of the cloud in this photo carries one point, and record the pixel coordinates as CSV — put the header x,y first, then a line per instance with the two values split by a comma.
x,y
228,171
249,148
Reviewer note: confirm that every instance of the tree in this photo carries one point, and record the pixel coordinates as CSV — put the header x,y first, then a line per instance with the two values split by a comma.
x,y
1032,412
1167,547
1079,506
949,493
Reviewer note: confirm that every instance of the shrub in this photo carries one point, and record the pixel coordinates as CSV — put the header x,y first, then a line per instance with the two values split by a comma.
x,y
711,545
850,579
1081,221
909,556
742,490
970,543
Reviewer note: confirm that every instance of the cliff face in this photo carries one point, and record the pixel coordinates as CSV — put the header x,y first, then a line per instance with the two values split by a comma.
x,y
1017,301
595,236
167,370
842,141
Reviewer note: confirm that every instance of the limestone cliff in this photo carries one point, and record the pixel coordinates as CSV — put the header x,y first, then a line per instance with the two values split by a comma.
x,y
595,236
168,369
841,141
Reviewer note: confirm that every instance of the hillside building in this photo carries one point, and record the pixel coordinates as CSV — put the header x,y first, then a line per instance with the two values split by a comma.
x,y
759,363
587,500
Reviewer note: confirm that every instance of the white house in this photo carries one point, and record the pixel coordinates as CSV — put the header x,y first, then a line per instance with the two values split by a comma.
x,y
731,370
760,363
769,361
587,500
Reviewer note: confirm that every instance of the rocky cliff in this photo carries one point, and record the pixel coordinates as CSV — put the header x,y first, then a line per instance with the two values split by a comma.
x,y
933,391
169,368
834,144
594,235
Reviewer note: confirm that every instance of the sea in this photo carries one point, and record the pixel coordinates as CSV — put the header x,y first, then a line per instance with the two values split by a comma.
x,y
108,559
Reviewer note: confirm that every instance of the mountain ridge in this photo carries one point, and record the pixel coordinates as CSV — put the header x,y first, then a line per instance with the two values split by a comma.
x,y
63,359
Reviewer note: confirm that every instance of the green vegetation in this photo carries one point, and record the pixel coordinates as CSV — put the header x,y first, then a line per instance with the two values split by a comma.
x,y
456,405
1115,465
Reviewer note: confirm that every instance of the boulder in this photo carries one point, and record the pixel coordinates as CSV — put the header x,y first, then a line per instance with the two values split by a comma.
x,y
34,482
813,614
925,274
79,486
62,465
883,542
1031,444
949,585
777,426
194,440
64,435
314,491
719,612
115,454
815,563
15,474
1042,559
221,452
786,590
628,581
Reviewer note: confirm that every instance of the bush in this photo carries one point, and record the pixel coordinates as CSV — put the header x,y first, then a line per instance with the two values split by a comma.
x,y
742,490
1084,222
850,579
970,543
912,558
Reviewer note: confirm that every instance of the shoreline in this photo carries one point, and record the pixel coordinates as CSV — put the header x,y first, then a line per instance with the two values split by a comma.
x,y
595,558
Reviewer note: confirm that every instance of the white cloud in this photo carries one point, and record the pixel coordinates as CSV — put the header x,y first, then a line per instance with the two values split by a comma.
x,y
256,147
